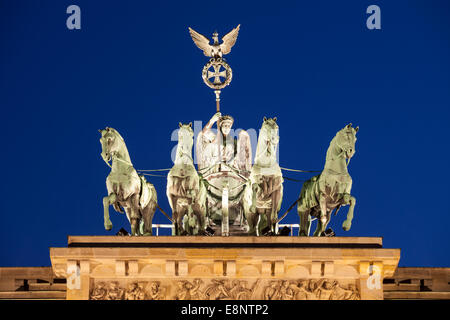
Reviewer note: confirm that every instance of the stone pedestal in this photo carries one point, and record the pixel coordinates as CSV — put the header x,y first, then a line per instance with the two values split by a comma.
x,y
224,267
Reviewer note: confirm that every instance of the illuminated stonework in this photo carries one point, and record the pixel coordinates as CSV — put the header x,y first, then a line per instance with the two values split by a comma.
x,y
253,268
226,289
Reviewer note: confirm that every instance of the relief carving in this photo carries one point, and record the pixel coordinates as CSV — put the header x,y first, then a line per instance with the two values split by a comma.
x,y
322,289
135,291
156,291
227,289
100,292
224,289
114,292
189,291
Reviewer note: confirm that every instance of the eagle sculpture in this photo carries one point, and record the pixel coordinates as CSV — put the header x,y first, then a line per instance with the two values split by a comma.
x,y
215,50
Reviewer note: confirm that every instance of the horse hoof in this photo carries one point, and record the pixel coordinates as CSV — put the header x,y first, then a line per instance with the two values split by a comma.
x,y
346,226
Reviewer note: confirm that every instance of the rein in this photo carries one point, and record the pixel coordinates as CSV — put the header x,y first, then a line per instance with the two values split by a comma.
x,y
296,170
114,157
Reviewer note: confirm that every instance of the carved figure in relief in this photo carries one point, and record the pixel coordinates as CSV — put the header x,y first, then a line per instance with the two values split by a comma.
x,y
195,291
182,292
300,290
224,289
322,289
114,291
351,293
140,292
244,293
239,290
272,292
286,292
131,293
99,292
217,290
325,289
189,291
156,292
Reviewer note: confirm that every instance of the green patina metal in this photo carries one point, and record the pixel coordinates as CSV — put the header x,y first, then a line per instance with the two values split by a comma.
x,y
331,189
128,192
264,191
185,190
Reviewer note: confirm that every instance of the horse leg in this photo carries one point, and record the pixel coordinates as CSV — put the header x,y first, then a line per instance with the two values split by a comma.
x,y
180,215
147,216
318,231
257,223
262,214
348,222
174,206
135,214
175,231
305,221
276,195
252,223
253,204
322,219
107,201
327,221
268,213
200,216
134,226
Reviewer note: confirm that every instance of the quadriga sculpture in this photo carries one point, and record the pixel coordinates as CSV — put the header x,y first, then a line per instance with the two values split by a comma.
x,y
331,189
127,191
264,192
185,190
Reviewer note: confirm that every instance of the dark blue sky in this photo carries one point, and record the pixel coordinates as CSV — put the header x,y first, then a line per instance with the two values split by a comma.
x,y
313,64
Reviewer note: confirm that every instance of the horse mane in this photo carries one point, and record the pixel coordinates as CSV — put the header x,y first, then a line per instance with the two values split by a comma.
x,y
331,147
125,149
333,142
114,131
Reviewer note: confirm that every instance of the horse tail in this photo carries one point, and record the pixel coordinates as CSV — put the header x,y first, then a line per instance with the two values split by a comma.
x,y
309,196
147,193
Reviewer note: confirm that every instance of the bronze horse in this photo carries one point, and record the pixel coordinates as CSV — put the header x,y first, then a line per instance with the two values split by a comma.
x,y
331,189
264,191
127,191
185,191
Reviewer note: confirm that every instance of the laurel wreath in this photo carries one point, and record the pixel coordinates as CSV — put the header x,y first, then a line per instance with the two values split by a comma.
x,y
216,62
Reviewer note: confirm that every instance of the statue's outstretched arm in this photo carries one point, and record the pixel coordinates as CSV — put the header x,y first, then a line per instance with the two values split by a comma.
x,y
211,122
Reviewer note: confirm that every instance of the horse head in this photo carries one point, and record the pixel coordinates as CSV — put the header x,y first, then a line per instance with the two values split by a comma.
x,y
346,140
112,143
185,140
268,138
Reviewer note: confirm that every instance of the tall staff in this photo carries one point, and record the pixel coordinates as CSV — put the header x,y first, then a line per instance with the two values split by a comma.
x,y
217,74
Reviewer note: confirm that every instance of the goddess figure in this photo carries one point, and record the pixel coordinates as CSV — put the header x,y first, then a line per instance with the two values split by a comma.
x,y
223,148
224,162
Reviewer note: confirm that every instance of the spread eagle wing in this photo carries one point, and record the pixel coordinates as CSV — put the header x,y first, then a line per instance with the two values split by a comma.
x,y
229,40
201,41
